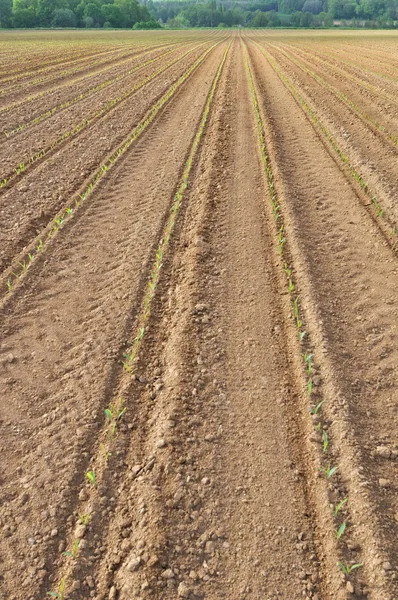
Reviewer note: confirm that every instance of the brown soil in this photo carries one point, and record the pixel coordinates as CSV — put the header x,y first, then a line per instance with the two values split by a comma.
x,y
214,484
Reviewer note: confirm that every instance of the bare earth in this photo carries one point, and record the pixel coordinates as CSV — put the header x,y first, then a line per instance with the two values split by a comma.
x,y
199,315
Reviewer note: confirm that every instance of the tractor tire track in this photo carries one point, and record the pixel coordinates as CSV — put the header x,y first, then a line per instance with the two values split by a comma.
x,y
38,190
352,299
65,367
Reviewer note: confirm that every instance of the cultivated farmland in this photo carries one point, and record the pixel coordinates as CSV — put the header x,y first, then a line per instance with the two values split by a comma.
x,y
199,313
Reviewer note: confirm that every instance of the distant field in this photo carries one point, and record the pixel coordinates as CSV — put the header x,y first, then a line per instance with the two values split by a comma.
x,y
199,315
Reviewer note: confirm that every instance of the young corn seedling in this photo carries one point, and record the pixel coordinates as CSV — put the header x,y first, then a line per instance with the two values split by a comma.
x,y
24,266
347,569
91,477
341,530
60,594
85,519
329,471
309,387
114,413
74,552
291,286
301,335
287,270
325,441
296,312
9,285
339,506
315,409
308,361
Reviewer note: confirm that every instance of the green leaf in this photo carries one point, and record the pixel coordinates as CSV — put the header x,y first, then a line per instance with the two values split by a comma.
x,y
325,441
340,506
341,530
331,472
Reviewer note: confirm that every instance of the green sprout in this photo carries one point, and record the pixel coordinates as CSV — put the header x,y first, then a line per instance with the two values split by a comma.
x,y
346,568
61,591
329,471
325,441
339,506
114,413
91,477
341,530
74,552
84,519
315,410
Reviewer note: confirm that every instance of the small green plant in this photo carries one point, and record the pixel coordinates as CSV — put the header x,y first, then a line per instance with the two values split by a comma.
x,y
329,471
74,552
85,519
114,413
23,266
339,506
91,477
60,594
325,441
9,285
341,530
308,361
301,335
309,387
315,409
347,569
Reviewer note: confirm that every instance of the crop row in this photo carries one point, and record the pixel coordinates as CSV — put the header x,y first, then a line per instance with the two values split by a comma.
x,y
341,58
67,72
20,267
92,90
117,408
315,406
344,158
46,92
376,91
390,137
81,63
77,129
44,64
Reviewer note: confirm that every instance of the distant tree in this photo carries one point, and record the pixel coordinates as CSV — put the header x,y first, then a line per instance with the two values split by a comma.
x,y
306,19
147,25
24,17
260,19
93,11
113,15
313,6
5,13
64,17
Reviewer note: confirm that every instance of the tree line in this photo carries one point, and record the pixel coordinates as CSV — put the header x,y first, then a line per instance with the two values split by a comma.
x,y
190,13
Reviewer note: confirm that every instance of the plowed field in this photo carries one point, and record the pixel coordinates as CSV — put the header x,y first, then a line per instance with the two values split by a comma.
x,y
199,315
